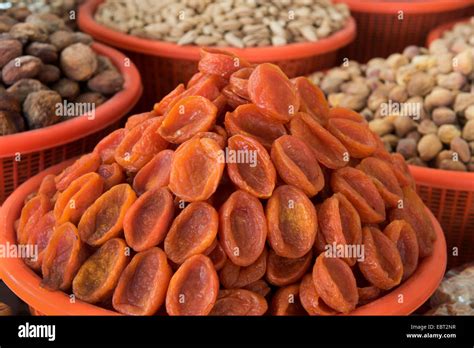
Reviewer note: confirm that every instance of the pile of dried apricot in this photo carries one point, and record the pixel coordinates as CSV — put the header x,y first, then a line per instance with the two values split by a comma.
x,y
241,193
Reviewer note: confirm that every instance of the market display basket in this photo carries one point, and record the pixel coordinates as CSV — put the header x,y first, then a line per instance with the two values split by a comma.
x,y
26,284
164,65
25,154
385,26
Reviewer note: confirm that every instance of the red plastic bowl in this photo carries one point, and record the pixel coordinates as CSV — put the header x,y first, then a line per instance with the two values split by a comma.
x,y
164,65
25,283
380,32
41,148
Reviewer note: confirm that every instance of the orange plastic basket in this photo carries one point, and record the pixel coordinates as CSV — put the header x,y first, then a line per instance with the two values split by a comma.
x,y
23,155
450,197
438,31
26,284
380,32
164,65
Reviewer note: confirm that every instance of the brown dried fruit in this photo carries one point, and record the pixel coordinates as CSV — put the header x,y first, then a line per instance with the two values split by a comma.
x,y
23,87
9,50
49,74
239,302
107,82
286,302
310,299
21,68
46,52
282,271
40,109
78,62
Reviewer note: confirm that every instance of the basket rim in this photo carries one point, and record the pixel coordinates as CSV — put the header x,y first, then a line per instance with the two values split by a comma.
x,y
158,48
437,32
79,127
415,7
25,283
446,179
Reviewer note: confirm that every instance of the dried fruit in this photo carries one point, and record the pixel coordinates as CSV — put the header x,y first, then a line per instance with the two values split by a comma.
x,y
382,265
31,213
335,283
39,236
194,288
155,173
86,164
220,63
148,219
239,302
297,165
310,299
40,109
286,302
249,166
312,100
192,232
292,222
243,228
163,106
23,67
99,274
103,220
78,62
218,256
233,276
141,289
62,258
196,169
327,149
282,271
112,174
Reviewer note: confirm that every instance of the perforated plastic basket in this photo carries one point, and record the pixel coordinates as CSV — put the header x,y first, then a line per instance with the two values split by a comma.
x,y
380,32
164,65
25,154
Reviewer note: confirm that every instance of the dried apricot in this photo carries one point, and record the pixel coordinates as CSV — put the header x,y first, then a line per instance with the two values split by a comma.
x,y
112,174
233,100
62,258
103,220
80,194
239,82
40,236
327,149
141,289
186,118
140,145
192,232
86,164
31,213
97,278
48,186
402,234
138,119
155,173
297,165
340,224
233,276
221,140
196,169
368,294
348,114
361,192
382,265
335,283
355,136
414,212
221,63
282,271
249,166
384,179
193,288
239,302
243,228
218,256
310,299
259,286
312,100
248,120
273,93
107,146
162,107
286,302
292,222
147,221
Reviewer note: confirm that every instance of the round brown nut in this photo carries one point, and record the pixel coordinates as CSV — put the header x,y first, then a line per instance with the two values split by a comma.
x,y
461,147
78,62
453,81
443,115
407,148
469,113
420,84
9,49
468,131
40,108
22,88
28,32
9,102
46,52
68,89
398,94
452,165
21,68
61,39
90,98
463,101
448,132
107,82
429,146
416,161
403,125
438,97
49,74
49,21
381,126
427,127
414,135
445,154
7,126
6,22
